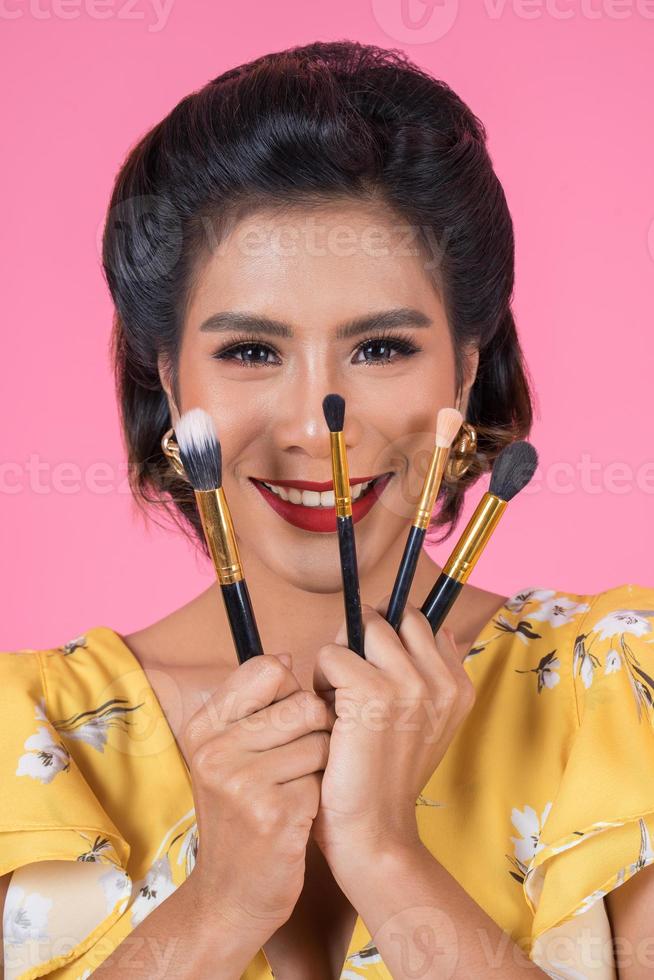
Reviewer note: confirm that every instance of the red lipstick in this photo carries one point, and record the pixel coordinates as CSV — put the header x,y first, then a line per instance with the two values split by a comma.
x,y
320,519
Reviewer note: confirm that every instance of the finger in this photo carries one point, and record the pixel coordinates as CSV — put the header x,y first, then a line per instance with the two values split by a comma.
x,y
450,654
445,642
385,649
339,668
418,639
307,754
287,720
253,685
433,658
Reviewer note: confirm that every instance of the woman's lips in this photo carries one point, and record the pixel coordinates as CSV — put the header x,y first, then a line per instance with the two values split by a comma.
x,y
321,519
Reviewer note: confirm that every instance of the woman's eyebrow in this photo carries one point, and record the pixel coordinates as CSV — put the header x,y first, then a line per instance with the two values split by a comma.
x,y
255,323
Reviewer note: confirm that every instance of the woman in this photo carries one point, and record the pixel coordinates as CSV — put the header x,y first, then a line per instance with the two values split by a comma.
x,y
325,219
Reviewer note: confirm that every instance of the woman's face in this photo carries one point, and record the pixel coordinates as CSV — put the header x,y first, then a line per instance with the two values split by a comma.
x,y
317,276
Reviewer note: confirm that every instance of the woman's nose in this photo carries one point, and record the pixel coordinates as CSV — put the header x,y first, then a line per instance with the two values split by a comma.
x,y
299,424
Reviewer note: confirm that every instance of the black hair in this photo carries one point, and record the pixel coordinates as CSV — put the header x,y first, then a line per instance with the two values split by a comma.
x,y
306,126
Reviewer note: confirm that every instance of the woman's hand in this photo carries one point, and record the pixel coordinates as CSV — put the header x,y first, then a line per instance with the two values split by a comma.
x,y
257,750
396,713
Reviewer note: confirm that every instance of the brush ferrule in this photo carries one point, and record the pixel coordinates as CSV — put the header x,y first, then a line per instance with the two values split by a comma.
x,y
473,540
430,488
219,533
340,475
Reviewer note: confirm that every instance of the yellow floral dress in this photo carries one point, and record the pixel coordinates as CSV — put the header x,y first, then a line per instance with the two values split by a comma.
x,y
543,803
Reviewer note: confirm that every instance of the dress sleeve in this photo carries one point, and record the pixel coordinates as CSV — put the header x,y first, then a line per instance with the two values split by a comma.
x,y
69,882
599,830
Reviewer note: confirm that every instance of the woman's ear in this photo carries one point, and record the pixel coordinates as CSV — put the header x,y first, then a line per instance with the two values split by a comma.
x,y
164,369
470,367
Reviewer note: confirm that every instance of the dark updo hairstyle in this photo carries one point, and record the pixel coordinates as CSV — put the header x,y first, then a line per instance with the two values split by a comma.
x,y
302,127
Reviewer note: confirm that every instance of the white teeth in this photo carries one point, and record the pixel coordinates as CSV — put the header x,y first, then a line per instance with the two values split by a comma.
x,y
311,498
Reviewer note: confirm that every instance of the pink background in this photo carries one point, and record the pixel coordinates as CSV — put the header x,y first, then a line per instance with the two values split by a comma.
x,y
564,89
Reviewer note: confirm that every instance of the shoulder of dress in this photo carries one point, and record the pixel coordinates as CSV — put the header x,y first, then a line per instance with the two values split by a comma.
x,y
94,657
627,594
558,610
94,639
562,606
90,638
628,607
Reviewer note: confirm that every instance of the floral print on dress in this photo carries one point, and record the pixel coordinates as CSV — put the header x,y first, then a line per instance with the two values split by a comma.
x,y
558,610
517,602
116,883
25,916
73,645
624,621
550,607
546,671
152,890
423,800
96,851
529,825
620,623
363,957
47,756
546,606
522,630
584,663
117,887
92,726
188,851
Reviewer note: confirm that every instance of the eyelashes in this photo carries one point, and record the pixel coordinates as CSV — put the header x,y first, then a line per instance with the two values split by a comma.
x,y
383,341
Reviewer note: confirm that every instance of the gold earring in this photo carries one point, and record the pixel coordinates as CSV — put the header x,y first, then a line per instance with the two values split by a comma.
x,y
462,453
171,450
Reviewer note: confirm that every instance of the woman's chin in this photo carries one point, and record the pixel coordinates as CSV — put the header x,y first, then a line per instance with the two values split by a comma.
x,y
325,580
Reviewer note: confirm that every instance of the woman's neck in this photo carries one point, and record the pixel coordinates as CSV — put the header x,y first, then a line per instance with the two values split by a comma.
x,y
298,622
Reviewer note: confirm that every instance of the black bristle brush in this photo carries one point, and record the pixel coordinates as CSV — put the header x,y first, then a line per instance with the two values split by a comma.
x,y
512,471
333,407
200,453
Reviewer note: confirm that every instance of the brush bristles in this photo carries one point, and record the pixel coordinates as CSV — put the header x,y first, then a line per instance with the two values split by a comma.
x,y
199,449
513,469
448,424
333,407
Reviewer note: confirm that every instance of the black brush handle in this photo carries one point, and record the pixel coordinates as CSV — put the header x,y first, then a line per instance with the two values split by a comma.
x,y
439,601
350,575
404,577
241,620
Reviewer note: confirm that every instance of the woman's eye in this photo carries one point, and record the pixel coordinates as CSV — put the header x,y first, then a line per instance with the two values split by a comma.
x,y
253,355
376,350
384,346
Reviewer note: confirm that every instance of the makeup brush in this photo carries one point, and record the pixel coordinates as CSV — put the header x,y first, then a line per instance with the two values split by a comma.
x,y
333,407
513,469
201,456
448,424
